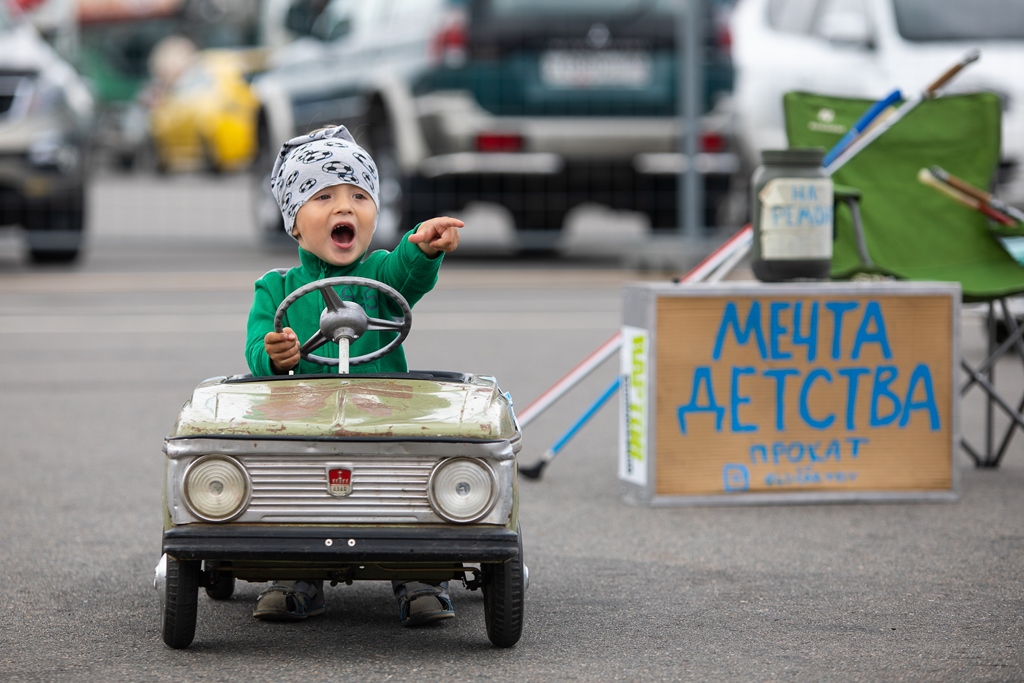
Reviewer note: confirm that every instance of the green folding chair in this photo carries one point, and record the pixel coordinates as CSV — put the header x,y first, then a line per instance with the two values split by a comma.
x,y
912,232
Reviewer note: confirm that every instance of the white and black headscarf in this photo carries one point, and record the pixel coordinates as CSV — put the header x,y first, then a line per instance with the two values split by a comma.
x,y
309,163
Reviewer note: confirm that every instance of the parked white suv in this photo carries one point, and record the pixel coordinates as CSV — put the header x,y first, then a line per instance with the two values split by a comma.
x,y
867,48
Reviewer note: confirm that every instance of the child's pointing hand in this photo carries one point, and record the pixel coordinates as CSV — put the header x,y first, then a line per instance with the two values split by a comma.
x,y
437,235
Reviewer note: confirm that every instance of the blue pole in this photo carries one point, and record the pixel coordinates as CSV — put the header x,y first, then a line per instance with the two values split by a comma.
x,y
583,419
863,122
534,471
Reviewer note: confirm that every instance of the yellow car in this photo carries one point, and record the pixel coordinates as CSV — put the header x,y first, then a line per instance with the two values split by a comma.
x,y
206,118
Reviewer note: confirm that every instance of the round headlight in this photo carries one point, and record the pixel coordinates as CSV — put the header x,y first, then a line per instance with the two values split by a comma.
x,y
461,489
216,488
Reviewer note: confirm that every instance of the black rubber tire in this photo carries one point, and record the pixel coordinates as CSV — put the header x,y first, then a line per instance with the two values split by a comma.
x,y
53,256
210,163
181,597
223,586
65,214
504,591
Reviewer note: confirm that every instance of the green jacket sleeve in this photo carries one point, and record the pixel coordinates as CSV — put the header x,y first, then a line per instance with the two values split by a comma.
x,y
409,270
268,293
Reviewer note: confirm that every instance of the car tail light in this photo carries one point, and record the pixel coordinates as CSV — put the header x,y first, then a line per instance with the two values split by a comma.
x,y
216,488
461,489
449,44
712,142
499,142
723,39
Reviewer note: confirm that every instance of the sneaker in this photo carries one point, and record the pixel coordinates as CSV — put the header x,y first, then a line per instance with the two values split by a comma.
x,y
422,603
290,601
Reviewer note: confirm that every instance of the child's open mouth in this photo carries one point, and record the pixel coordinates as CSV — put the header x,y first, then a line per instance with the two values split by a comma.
x,y
343,235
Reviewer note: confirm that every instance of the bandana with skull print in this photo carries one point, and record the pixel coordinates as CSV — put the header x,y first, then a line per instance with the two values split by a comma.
x,y
309,163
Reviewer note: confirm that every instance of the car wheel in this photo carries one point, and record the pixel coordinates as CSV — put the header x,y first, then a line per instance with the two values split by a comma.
x,y
155,160
53,256
393,218
181,594
504,590
210,163
222,587
55,227
125,161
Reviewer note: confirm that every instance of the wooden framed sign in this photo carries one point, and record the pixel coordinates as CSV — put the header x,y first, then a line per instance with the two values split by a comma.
x,y
810,391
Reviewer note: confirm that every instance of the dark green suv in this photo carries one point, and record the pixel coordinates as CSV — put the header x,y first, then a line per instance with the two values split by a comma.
x,y
535,105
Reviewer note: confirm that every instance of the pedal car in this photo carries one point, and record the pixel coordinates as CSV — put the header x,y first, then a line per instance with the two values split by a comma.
x,y
343,478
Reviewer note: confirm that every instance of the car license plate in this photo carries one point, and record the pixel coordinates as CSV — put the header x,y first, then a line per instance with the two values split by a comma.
x,y
585,69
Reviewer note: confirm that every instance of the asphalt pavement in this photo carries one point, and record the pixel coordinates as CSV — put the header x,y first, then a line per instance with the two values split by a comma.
x,y
96,359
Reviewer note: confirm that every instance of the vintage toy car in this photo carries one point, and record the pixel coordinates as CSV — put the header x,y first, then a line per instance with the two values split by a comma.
x,y
343,477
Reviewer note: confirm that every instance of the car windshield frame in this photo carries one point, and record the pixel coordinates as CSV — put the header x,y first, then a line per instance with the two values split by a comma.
x,y
946,20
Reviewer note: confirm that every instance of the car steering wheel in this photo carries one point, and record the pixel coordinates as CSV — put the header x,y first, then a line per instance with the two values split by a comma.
x,y
347,319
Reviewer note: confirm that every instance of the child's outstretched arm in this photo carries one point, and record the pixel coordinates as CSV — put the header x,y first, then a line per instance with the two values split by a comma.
x,y
283,349
437,235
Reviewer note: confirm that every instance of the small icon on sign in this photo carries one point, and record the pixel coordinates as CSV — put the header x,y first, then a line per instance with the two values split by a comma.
x,y
735,478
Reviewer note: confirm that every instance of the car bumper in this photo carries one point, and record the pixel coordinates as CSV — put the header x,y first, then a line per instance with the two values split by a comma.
x,y
340,545
549,163
539,202
24,184
453,123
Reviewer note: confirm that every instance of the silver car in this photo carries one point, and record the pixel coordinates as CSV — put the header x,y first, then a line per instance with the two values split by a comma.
x,y
45,117
344,478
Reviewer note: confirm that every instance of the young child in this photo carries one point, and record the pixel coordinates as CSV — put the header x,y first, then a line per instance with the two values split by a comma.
x,y
327,188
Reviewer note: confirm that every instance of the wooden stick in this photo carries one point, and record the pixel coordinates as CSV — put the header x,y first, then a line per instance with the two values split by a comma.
x,y
976,192
925,177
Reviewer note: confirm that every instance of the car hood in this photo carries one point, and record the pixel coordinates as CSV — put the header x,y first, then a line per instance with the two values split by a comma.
x,y
22,50
344,407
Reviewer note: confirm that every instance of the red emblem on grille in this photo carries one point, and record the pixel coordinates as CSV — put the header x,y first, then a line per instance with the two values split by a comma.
x,y
339,481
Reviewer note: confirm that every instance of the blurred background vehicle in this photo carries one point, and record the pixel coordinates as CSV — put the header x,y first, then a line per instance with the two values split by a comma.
x,y
116,41
206,116
867,48
535,105
46,114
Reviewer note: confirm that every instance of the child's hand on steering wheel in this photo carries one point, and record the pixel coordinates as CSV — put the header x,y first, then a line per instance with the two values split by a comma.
x,y
437,235
283,349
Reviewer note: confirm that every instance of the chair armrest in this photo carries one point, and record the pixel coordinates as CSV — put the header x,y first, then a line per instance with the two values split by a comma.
x,y
851,197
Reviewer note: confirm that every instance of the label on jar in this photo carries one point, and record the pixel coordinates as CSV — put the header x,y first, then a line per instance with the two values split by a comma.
x,y
796,218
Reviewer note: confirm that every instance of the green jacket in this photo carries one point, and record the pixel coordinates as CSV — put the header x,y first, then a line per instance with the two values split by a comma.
x,y
407,269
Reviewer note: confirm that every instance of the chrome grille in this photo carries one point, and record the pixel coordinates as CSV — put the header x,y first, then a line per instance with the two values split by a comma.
x,y
289,480
383,489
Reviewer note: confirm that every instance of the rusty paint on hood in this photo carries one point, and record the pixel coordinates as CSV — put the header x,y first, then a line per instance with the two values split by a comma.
x,y
344,407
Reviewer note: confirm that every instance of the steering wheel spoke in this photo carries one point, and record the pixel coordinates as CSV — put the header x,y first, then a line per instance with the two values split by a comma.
x,y
348,319
381,325
331,299
313,343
